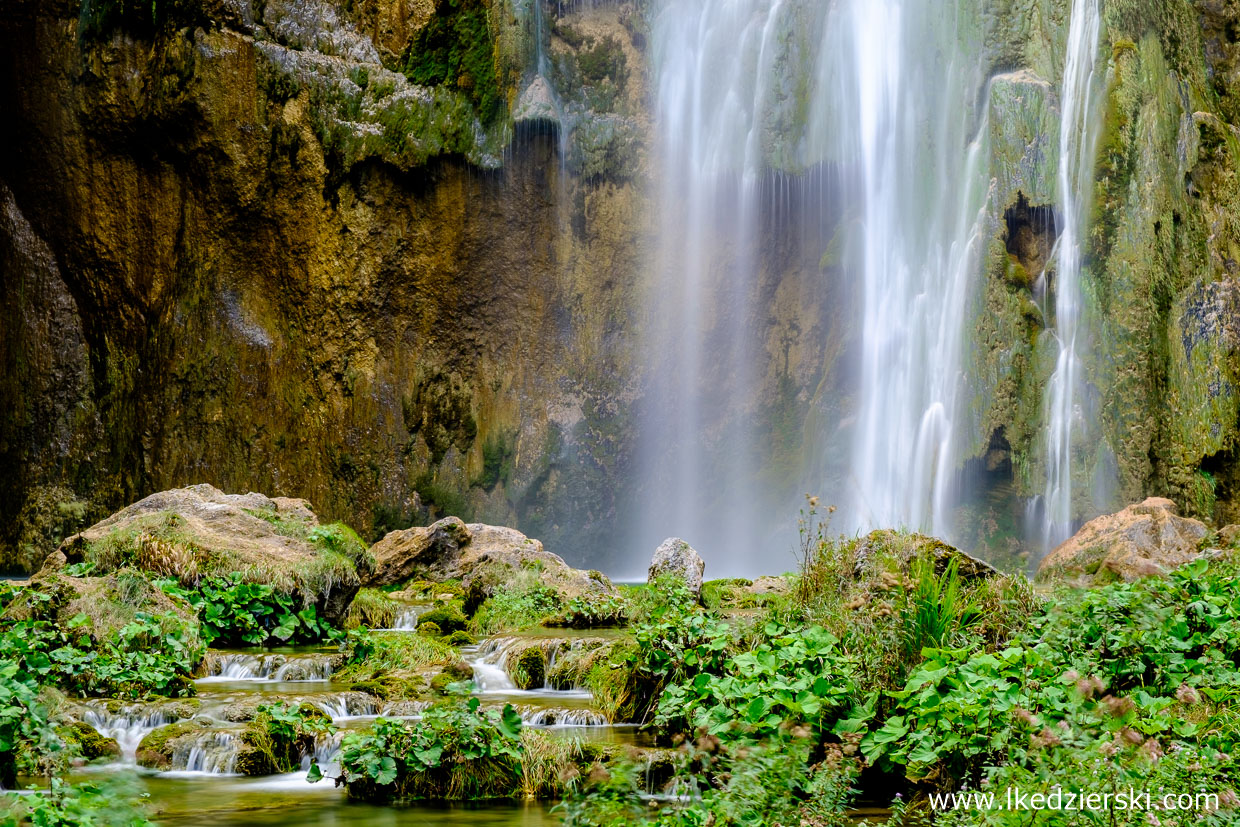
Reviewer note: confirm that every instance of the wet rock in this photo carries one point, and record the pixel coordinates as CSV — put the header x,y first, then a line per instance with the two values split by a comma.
x,y
677,558
1145,539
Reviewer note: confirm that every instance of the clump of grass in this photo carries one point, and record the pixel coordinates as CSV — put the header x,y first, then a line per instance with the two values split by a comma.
x,y
383,653
521,603
374,609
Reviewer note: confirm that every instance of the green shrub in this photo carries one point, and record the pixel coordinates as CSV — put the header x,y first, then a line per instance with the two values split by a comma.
x,y
792,678
457,750
447,618
234,612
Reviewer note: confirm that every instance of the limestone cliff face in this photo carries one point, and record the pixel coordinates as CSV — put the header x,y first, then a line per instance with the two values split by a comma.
x,y
1160,259
387,255
246,249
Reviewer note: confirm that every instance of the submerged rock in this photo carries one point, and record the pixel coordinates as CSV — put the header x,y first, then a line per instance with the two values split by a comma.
x,y
476,554
199,531
676,557
1143,539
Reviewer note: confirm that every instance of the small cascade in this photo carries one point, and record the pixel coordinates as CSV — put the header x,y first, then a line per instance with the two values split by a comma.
x,y
128,726
346,705
225,666
326,749
546,716
490,663
212,753
494,657
407,620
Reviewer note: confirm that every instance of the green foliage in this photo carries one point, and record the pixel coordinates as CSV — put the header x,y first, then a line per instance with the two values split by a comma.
x,y
151,655
499,453
373,608
938,612
234,612
591,610
279,735
791,678
739,784
676,641
456,49
518,605
457,750
395,659
111,803
447,618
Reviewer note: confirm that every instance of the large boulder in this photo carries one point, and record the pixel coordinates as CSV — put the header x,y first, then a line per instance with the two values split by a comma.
x,y
199,531
677,558
883,546
1143,539
488,555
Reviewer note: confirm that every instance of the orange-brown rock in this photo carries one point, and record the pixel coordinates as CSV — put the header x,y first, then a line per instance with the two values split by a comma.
x,y
1144,539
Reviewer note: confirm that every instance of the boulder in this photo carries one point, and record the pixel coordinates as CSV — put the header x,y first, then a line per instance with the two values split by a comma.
x,y
475,554
1143,539
199,531
884,544
769,585
676,557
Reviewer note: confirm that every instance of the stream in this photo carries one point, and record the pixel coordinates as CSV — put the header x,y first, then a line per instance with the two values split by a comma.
x,y
202,787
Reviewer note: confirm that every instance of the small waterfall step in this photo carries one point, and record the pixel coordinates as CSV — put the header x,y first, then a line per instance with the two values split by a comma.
x,y
267,667
127,725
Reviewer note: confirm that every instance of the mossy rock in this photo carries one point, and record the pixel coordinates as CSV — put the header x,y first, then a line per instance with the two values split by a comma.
x,y
529,670
448,618
717,593
460,638
441,682
378,688
430,629
155,751
460,670
87,741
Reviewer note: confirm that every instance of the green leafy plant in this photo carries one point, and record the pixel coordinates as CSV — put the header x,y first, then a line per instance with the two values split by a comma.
x,y
457,750
235,612
793,678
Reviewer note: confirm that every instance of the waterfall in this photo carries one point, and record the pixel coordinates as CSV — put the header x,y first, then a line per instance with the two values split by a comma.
x,y
272,667
712,61
127,726
211,753
1077,142
870,115
908,75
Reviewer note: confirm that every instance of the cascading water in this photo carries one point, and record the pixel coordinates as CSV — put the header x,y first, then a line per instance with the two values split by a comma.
x,y
905,77
127,726
711,60
273,668
1077,143
888,122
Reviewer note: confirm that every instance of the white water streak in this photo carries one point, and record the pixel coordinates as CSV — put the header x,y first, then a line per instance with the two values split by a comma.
x,y
1077,141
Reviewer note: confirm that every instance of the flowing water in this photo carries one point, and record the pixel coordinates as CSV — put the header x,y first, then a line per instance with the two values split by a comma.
x,y
1077,144
903,78
890,122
